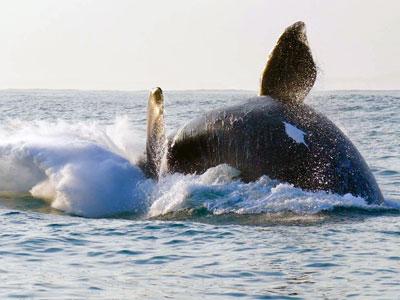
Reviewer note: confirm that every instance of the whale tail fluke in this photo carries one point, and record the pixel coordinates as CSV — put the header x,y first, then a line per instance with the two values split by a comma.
x,y
156,141
290,72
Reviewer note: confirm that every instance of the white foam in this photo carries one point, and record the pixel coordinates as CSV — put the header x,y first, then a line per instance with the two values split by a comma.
x,y
80,168
228,195
175,191
88,169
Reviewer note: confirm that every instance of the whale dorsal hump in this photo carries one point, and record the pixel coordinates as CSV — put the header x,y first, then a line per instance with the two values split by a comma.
x,y
155,132
290,72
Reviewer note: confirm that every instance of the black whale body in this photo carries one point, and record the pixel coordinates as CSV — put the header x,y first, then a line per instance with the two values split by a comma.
x,y
275,134
252,137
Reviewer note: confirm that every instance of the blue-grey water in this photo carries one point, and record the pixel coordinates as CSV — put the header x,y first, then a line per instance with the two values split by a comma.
x,y
79,219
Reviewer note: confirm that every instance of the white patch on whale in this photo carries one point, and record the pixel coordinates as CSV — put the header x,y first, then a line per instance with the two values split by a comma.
x,y
294,133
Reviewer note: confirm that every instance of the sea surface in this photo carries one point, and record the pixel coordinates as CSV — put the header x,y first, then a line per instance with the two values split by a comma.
x,y
80,220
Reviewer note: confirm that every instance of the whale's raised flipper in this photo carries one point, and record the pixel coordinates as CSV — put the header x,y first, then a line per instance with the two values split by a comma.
x,y
290,72
155,132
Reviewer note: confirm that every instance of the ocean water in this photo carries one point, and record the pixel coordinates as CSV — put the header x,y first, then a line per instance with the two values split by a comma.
x,y
80,220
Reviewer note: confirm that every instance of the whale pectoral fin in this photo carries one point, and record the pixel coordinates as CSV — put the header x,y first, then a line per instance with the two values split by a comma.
x,y
290,72
155,132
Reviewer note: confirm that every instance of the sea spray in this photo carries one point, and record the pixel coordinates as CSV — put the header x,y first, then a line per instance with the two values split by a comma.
x,y
82,168
218,191
89,169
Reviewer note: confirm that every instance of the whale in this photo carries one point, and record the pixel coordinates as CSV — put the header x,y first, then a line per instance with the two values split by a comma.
x,y
274,134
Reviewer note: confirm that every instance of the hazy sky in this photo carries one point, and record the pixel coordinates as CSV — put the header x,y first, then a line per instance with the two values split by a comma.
x,y
188,44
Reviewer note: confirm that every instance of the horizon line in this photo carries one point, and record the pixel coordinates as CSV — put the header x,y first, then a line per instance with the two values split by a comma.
x,y
185,90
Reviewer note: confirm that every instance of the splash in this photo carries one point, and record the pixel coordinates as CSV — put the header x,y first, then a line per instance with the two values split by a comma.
x,y
90,170
220,193
83,168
